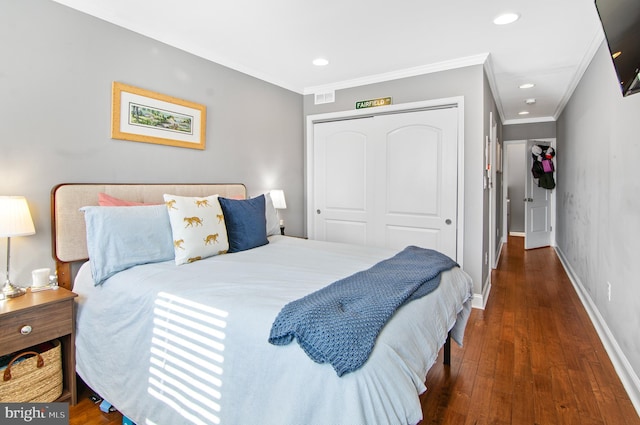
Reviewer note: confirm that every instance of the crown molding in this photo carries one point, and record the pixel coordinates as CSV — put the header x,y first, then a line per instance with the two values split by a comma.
x,y
493,85
396,75
596,42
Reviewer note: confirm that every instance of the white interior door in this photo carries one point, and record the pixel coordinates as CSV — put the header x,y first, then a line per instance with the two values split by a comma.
x,y
388,180
342,190
537,211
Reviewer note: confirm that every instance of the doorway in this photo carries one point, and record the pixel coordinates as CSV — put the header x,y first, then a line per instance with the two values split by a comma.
x,y
524,201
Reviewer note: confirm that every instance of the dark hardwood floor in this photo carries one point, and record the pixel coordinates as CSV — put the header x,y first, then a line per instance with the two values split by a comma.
x,y
532,357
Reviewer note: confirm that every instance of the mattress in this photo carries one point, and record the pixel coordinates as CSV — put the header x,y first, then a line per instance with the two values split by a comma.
x,y
169,344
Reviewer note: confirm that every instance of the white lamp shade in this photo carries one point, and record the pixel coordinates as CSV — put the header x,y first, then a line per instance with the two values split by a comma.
x,y
277,197
15,218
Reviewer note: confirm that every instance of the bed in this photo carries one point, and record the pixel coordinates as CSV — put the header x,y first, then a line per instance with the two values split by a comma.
x,y
173,344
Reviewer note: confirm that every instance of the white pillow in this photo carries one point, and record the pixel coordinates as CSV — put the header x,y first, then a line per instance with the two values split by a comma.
x,y
197,226
273,224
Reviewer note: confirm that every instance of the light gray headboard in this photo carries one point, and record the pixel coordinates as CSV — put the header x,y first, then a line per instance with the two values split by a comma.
x,y
67,221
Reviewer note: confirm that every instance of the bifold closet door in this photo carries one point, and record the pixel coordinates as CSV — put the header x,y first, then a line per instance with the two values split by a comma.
x,y
388,180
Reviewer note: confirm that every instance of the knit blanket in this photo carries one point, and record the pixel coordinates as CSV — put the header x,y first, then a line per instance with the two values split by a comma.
x,y
339,323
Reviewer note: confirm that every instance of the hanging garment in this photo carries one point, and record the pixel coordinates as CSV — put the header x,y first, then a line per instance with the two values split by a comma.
x,y
542,168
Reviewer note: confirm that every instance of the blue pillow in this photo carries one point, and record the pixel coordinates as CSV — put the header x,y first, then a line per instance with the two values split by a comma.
x,y
246,222
122,237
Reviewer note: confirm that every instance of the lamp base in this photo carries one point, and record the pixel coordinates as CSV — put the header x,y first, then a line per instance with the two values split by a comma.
x,y
11,291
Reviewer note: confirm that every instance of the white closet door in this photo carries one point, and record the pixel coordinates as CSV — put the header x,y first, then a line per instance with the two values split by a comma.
x,y
388,180
343,163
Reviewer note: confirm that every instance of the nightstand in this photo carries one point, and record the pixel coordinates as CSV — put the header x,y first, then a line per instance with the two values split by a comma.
x,y
50,315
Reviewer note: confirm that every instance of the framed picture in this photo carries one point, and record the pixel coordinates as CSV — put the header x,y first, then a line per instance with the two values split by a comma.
x,y
141,115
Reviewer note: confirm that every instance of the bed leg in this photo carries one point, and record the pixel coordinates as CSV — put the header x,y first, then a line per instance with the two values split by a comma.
x,y
447,350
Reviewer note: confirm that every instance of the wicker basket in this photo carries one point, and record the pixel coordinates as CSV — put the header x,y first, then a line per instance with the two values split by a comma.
x,y
36,379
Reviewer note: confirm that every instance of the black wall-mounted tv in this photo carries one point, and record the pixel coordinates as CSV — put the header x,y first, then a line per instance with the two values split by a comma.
x,y
621,24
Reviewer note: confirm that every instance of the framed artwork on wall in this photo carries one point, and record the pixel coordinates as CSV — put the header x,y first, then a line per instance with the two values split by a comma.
x,y
140,115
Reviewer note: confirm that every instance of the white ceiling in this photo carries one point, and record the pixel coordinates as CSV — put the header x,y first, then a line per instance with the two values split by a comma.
x,y
375,40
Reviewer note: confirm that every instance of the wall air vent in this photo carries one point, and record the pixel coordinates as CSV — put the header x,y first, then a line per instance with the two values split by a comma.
x,y
327,97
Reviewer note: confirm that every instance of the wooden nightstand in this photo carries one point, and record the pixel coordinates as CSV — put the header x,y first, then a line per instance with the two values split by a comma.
x,y
51,315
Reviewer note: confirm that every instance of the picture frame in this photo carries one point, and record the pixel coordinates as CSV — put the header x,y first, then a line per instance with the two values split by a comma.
x,y
140,115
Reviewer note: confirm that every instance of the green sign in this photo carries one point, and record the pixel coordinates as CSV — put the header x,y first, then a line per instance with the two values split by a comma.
x,y
373,103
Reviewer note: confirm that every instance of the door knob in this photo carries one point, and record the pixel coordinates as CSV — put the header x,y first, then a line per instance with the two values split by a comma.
x,y
318,211
448,221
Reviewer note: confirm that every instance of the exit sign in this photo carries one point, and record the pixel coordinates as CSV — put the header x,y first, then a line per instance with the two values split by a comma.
x,y
361,104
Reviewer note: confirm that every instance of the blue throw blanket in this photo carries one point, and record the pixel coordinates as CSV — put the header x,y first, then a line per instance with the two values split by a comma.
x,y
339,324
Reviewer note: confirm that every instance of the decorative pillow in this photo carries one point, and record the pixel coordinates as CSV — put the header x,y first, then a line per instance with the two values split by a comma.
x,y
246,222
105,200
122,237
198,227
273,224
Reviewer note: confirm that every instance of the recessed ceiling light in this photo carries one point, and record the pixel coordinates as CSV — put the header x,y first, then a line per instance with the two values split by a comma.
x,y
506,18
526,85
616,54
320,62
523,113
530,101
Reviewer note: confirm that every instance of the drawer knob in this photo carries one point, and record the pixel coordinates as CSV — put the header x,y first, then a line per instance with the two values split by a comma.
x,y
26,330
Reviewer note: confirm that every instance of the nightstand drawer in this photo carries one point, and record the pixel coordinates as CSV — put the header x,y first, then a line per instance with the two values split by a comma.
x,y
46,322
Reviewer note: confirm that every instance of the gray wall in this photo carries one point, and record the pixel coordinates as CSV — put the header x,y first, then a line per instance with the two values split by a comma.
x,y
490,111
55,98
467,82
516,181
535,130
598,226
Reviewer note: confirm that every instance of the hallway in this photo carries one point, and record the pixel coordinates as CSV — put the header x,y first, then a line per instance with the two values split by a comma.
x,y
531,357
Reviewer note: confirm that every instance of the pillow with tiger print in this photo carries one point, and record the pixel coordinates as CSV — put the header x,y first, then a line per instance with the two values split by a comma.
x,y
197,226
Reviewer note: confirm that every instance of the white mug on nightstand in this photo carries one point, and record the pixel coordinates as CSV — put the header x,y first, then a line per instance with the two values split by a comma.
x,y
40,277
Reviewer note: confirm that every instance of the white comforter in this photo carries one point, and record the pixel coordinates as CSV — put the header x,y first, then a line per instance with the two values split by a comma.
x,y
169,344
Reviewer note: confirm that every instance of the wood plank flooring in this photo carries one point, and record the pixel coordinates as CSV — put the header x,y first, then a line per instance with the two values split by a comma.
x,y
532,357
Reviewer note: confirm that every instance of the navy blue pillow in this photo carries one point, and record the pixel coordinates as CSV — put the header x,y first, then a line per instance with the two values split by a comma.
x,y
245,221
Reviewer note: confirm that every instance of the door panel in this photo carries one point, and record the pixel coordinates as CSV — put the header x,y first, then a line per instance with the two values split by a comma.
x,y
399,237
346,231
537,212
421,179
539,221
413,157
388,180
341,186
345,176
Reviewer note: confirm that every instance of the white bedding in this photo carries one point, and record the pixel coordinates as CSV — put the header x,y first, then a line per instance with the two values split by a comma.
x,y
169,344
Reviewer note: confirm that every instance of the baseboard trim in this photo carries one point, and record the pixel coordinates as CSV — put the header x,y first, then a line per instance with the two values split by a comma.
x,y
495,265
621,364
520,234
480,300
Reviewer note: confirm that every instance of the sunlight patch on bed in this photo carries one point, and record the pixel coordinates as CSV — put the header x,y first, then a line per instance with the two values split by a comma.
x,y
187,333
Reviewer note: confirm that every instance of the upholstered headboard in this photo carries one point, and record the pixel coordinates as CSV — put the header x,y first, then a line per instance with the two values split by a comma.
x,y
67,221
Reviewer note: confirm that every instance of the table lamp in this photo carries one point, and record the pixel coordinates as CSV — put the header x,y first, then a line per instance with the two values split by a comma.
x,y
277,197
15,220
